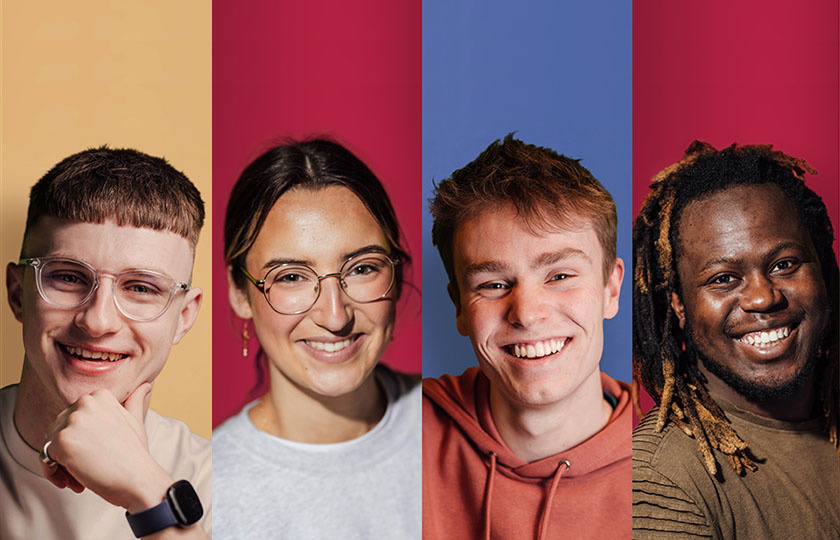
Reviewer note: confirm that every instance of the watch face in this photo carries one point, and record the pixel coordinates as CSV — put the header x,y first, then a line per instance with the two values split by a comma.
x,y
185,502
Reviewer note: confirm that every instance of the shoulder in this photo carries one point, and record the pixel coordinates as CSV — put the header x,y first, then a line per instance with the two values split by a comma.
x,y
448,388
449,405
183,454
233,437
403,392
178,450
397,382
167,434
666,474
8,395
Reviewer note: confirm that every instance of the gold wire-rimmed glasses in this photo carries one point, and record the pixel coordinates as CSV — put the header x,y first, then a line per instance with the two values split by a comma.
x,y
293,288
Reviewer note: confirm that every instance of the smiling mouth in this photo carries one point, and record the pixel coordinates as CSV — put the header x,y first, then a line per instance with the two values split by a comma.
x,y
330,346
766,338
92,356
538,349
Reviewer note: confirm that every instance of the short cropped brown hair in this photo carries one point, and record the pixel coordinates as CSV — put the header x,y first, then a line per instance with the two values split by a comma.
x,y
548,190
123,185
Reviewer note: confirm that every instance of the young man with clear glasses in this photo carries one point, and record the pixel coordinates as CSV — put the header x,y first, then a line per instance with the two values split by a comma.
x,y
103,291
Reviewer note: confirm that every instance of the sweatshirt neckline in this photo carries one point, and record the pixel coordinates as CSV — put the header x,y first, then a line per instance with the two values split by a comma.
x,y
369,447
811,424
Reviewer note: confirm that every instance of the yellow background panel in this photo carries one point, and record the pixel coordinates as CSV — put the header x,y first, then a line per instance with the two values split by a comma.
x,y
76,75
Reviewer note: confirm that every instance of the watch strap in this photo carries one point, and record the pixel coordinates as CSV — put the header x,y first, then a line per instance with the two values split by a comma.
x,y
152,520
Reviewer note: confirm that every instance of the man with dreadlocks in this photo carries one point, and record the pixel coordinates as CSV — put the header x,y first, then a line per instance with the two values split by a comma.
x,y
735,302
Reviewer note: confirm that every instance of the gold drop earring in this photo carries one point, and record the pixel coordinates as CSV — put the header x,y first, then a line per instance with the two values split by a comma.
x,y
245,338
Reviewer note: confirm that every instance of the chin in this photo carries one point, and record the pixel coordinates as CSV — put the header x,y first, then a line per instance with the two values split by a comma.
x,y
773,387
337,384
535,395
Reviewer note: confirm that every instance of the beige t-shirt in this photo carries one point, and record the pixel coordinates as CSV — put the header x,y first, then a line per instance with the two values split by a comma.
x,y
795,493
33,508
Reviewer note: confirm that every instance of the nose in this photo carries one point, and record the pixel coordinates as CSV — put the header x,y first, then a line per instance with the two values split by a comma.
x,y
332,311
99,315
527,306
760,294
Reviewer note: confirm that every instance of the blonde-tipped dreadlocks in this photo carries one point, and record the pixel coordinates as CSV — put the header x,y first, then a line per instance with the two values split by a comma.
x,y
663,362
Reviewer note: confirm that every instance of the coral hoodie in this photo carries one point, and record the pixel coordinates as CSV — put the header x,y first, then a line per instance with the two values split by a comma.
x,y
474,487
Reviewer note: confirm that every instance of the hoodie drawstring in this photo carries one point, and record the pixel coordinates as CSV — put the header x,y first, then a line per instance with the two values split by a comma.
x,y
562,467
551,491
488,492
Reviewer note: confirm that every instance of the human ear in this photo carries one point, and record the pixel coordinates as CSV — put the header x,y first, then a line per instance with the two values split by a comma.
x,y
14,289
679,309
189,311
612,289
238,298
454,295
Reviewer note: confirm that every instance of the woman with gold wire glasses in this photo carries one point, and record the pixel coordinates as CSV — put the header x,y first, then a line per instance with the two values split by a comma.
x,y
332,450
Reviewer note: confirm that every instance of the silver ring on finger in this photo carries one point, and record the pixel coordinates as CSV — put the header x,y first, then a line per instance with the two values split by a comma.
x,y
45,456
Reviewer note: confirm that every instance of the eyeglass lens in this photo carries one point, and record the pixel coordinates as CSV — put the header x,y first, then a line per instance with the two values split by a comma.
x,y
140,295
292,289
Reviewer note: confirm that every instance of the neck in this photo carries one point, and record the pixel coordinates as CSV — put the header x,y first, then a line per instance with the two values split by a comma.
x,y
298,414
534,433
799,405
34,412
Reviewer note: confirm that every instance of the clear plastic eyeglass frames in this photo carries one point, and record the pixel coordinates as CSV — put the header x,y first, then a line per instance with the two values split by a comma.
x,y
140,295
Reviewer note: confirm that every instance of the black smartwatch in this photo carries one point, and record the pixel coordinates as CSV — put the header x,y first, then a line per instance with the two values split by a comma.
x,y
181,507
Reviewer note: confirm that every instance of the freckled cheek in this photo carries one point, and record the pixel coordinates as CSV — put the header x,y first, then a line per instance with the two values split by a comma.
x,y
271,327
580,306
482,319
154,339
41,325
379,315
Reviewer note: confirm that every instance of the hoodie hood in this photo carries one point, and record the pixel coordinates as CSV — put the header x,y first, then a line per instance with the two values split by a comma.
x,y
466,400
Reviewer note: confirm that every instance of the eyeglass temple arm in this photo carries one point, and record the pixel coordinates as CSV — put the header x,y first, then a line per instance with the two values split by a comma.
x,y
258,283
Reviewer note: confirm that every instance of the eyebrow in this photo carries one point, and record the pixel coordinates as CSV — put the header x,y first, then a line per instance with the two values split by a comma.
x,y
547,259
486,267
372,248
542,260
769,255
157,270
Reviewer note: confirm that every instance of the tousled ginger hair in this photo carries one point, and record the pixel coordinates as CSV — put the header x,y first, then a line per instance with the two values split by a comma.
x,y
547,190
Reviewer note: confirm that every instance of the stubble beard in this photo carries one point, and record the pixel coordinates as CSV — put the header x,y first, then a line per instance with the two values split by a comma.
x,y
752,390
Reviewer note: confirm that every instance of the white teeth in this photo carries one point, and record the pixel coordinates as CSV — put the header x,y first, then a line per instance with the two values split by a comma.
x,y
329,347
537,350
767,338
94,355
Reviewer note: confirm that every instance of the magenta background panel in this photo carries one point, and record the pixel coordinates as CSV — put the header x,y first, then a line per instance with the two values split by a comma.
x,y
755,72
349,70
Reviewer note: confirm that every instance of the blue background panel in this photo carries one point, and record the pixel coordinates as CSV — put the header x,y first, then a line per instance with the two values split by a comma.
x,y
557,74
